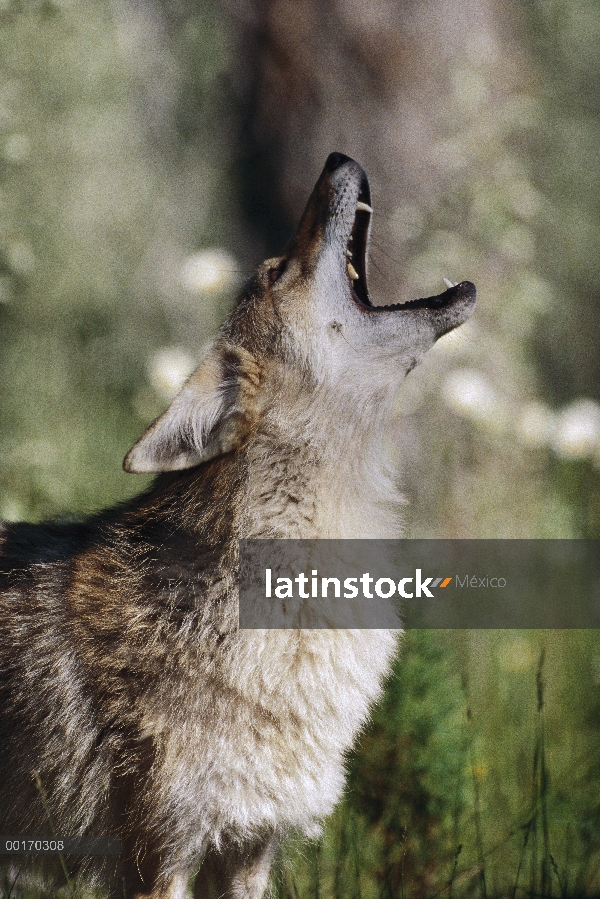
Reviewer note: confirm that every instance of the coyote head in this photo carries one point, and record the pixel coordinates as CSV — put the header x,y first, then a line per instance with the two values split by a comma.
x,y
304,351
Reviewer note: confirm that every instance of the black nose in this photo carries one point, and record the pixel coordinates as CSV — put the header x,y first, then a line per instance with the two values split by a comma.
x,y
335,160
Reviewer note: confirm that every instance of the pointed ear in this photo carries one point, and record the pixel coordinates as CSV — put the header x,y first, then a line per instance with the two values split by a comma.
x,y
208,417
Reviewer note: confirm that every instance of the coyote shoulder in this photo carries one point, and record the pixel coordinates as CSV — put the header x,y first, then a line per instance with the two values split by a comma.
x,y
130,703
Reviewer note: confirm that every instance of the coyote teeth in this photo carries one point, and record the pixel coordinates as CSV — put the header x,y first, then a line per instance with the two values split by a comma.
x,y
352,272
363,207
448,283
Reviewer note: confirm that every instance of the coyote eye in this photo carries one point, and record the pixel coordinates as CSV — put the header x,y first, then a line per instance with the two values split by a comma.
x,y
275,273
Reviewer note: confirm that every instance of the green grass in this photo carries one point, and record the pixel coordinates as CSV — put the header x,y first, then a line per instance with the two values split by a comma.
x,y
468,782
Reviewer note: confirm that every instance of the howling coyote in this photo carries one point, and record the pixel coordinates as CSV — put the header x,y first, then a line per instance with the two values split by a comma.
x,y
130,703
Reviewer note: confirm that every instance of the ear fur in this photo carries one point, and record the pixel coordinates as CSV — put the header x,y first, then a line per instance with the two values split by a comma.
x,y
208,417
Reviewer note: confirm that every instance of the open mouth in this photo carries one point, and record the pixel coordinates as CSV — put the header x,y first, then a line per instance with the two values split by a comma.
x,y
356,266
357,246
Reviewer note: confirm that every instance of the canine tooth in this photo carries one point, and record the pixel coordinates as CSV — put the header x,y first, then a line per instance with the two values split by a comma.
x,y
349,254
352,272
448,283
363,207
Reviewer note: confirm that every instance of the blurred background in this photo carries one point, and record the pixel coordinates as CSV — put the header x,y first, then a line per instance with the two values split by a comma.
x,y
151,153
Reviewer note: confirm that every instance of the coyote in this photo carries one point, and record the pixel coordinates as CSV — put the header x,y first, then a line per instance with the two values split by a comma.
x,y
130,702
